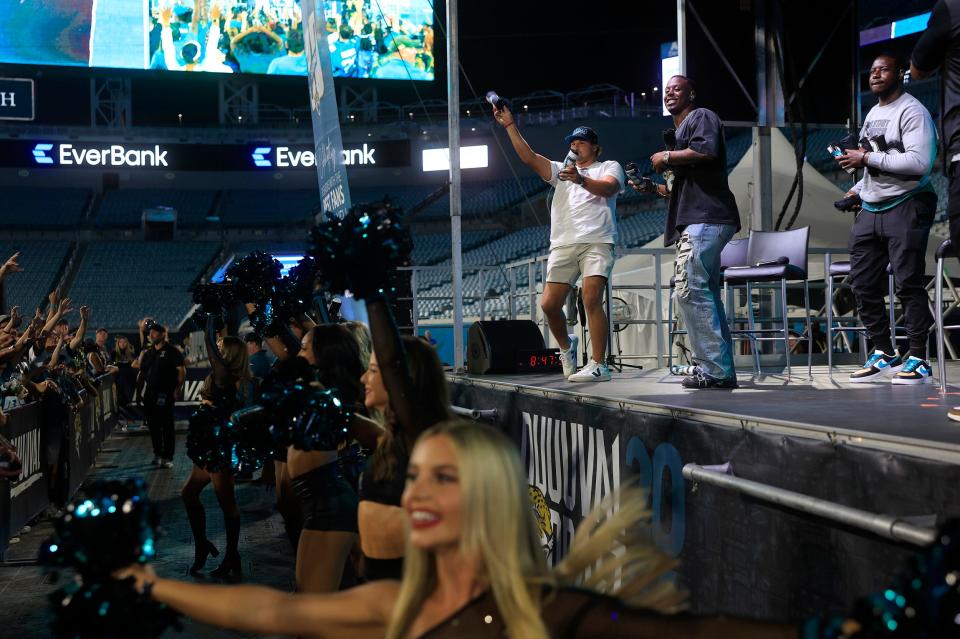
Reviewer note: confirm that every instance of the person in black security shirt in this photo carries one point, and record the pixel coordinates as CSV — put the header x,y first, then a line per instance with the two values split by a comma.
x,y
163,370
702,218
939,48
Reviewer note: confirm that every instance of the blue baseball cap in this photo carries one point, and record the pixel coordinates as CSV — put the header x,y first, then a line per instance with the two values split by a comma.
x,y
584,133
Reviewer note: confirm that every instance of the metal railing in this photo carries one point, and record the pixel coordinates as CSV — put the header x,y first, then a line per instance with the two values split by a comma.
x,y
535,269
476,414
887,526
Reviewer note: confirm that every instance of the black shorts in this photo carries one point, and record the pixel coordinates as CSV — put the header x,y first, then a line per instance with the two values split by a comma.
x,y
327,499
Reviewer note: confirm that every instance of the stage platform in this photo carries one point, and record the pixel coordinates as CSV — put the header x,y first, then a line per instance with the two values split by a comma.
x,y
910,419
888,451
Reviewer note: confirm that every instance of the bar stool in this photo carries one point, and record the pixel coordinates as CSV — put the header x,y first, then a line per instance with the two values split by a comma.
x,y
776,256
842,269
944,251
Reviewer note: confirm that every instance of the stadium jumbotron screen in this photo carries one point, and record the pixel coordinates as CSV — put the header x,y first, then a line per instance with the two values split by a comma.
x,y
378,39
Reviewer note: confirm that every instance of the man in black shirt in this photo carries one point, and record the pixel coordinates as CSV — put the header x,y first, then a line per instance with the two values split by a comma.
x,y
163,370
702,218
939,48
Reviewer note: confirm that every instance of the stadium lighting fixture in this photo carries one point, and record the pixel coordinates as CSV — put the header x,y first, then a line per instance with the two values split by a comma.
x,y
471,157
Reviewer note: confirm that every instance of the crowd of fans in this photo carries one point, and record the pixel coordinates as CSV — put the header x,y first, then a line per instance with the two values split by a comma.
x,y
266,36
48,360
45,360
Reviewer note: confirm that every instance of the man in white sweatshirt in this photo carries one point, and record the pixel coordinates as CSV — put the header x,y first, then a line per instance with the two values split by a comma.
x,y
898,146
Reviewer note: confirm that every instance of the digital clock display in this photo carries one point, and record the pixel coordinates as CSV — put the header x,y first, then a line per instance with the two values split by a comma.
x,y
542,360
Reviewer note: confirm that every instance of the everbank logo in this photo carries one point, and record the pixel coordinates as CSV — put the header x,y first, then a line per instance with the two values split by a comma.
x,y
113,155
286,157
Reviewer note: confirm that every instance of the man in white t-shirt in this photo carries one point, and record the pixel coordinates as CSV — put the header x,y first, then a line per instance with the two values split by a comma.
x,y
583,230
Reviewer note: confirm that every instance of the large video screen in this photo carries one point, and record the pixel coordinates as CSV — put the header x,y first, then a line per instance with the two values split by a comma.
x,y
379,39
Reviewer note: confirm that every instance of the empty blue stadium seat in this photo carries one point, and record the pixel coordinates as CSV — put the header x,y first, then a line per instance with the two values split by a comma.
x,y
403,197
268,207
124,281
124,208
486,197
43,208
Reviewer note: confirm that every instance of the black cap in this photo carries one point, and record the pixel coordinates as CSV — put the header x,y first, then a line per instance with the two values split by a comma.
x,y
584,133
155,326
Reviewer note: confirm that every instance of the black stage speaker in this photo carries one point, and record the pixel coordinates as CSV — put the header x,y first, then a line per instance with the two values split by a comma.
x,y
492,346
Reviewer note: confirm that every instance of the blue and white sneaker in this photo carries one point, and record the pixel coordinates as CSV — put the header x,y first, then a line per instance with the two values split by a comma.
x,y
878,368
592,372
915,371
568,358
683,371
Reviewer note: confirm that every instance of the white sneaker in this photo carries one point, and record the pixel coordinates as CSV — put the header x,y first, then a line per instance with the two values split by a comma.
x,y
592,372
166,463
156,461
568,358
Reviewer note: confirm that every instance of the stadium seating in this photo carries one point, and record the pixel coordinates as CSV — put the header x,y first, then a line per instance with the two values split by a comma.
x,y
42,261
489,196
124,281
635,230
268,207
738,143
272,247
124,208
404,197
430,248
41,208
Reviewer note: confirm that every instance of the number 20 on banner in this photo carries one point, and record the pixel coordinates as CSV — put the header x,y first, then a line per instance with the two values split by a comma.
x,y
669,521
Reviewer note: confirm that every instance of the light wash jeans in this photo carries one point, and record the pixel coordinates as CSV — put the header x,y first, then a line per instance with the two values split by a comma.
x,y
698,295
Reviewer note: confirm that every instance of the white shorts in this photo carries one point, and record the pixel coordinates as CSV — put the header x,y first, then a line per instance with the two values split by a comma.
x,y
567,263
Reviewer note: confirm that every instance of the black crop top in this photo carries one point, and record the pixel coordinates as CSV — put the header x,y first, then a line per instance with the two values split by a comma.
x,y
387,491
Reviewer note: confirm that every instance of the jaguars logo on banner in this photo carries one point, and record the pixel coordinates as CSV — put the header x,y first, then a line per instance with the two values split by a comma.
x,y
541,513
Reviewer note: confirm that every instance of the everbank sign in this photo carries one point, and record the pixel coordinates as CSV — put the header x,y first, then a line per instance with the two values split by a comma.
x,y
115,155
287,157
110,155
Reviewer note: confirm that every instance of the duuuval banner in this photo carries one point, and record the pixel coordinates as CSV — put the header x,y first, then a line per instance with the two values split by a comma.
x,y
328,145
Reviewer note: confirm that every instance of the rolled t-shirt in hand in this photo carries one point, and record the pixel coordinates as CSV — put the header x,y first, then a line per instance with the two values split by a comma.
x,y
577,216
